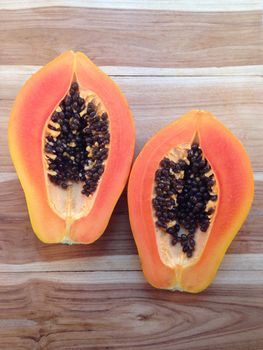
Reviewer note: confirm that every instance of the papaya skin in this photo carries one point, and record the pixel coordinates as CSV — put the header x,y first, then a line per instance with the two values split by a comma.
x,y
235,194
34,105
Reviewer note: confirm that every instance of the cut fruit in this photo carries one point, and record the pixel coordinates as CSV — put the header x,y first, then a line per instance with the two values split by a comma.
x,y
71,138
189,192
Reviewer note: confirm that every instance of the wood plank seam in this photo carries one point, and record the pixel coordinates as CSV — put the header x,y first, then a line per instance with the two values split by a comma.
x,y
157,5
129,71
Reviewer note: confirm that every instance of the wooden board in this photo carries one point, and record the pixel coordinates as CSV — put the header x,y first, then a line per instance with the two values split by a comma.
x,y
168,57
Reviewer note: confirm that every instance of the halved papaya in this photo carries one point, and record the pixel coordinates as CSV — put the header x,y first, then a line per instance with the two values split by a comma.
x,y
71,139
189,192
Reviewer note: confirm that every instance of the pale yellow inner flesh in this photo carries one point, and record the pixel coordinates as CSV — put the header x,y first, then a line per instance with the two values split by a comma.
x,y
70,204
170,255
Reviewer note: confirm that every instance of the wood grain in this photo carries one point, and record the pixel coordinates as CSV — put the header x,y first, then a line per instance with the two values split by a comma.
x,y
168,57
130,37
50,315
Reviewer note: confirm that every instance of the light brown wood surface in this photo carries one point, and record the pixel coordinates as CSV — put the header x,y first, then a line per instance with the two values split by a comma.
x,y
168,57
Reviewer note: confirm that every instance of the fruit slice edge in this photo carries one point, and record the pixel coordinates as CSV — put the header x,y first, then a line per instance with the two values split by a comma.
x,y
235,183
35,103
121,152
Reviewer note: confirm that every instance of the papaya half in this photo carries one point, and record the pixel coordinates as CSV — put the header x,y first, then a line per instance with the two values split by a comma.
x,y
71,138
189,192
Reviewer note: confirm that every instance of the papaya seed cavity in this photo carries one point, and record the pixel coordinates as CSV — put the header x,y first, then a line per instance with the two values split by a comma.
x,y
184,197
77,141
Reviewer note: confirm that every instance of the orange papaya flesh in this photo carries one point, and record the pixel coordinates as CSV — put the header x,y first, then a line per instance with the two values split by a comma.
x,y
190,190
71,139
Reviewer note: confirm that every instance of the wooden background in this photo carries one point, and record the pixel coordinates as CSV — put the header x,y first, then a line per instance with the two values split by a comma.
x,y
168,57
